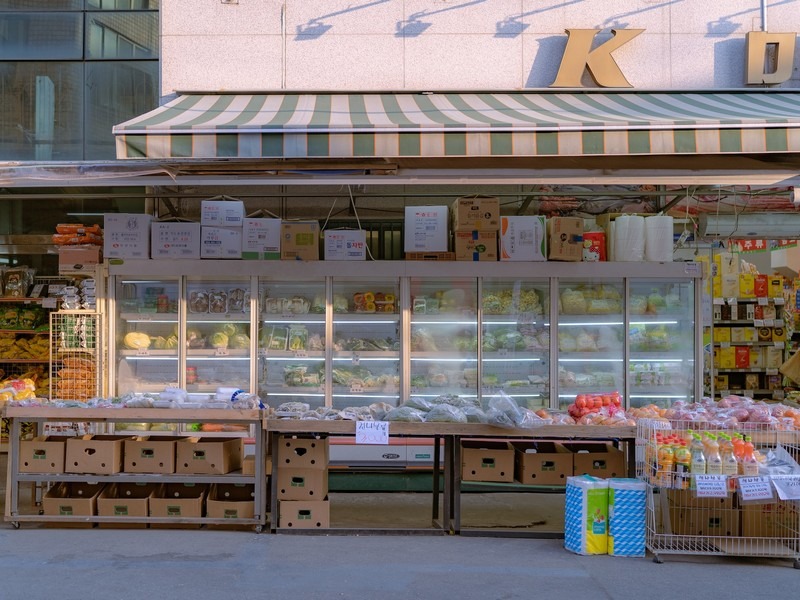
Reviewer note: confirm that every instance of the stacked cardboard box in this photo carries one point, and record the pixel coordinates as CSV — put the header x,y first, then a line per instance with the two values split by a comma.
x,y
476,221
302,478
542,463
149,454
221,224
127,500
598,459
178,501
483,460
208,456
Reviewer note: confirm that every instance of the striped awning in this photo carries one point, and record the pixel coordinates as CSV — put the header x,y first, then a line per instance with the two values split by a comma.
x,y
592,123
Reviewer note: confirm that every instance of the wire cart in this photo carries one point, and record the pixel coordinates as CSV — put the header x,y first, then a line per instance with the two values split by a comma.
x,y
681,519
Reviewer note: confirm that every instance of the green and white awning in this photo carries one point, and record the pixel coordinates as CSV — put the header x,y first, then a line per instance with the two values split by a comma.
x,y
374,125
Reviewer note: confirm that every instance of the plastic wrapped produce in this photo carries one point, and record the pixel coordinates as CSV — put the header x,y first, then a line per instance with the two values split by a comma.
x,y
445,413
505,404
418,403
474,414
405,414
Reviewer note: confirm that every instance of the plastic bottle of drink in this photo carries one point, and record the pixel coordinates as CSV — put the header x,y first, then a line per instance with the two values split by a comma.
x,y
698,465
749,464
713,457
666,463
683,465
730,466
738,446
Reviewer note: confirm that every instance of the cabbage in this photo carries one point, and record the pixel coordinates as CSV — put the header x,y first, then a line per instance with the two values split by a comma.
x,y
229,329
171,342
218,340
239,341
136,341
158,342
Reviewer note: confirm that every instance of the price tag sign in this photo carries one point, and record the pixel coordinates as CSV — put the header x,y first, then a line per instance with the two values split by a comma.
x,y
49,302
763,301
372,432
711,486
262,352
527,317
718,301
356,387
356,358
779,300
732,302
144,317
758,323
787,486
142,352
755,488
502,352
724,344
300,354
778,322
769,322
772,371
780,344
725,392
221,352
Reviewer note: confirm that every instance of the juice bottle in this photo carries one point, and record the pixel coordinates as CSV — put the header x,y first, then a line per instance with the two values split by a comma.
x,y
698,465
683,465
666,463
738,446
730,466
749,464
713,458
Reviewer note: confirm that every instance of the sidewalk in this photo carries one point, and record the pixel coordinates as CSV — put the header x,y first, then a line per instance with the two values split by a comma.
x,y
39,564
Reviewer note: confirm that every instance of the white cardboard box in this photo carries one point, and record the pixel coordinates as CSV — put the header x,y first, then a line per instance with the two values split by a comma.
x,y
221,242
261,239
126,235
345,244
221,213
426,229
523,238
175,240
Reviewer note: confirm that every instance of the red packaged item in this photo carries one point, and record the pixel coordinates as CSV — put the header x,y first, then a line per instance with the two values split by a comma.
x,y
761,286
594,246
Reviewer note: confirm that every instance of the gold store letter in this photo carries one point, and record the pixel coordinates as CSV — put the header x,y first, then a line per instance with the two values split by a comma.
x,y
757,42
578,55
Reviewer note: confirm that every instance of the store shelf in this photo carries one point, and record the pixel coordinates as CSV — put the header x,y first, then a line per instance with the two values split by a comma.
x,y
373,317
591,320
731,344
153,317
366,355
761,300
26,331
6,300
218,317
24,361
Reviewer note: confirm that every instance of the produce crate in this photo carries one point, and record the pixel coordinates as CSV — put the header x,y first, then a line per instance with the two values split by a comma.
x,y
430,255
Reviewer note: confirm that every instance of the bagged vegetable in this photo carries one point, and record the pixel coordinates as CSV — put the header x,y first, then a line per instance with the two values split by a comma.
x,y
445,413
405,414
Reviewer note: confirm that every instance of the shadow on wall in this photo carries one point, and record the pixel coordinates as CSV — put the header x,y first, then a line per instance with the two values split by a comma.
x,y
616,22
726,25
546,62
315,28
729,66
512,26
415,26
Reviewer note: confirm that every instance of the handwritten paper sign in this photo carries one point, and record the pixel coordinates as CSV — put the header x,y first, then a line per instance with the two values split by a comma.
x,y
755,488
711,486
788,486
372,432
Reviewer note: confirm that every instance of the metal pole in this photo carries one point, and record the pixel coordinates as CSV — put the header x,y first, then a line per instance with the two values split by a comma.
x,y
763,15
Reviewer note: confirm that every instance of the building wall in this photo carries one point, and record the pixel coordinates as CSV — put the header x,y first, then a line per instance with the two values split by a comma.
x,y
252,45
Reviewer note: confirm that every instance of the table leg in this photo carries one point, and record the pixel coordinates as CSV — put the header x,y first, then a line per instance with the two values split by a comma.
x,y
273,483
436,474
455,498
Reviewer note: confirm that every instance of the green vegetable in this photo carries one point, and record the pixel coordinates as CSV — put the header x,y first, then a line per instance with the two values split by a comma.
x,y
136,340
218,340
239,341
228,329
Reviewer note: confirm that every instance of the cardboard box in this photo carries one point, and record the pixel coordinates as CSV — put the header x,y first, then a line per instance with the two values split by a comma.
x,y
727,358
345,244
44,454
300,240
565,239
79,258
483,460
425,229
747,285
775,287
221,242
304,514
773,357
541,463
738,334
523,238
721,382
475,245
712,517
765,334
72,499
96,454
742,357
175,240
179,501
149,454
208,456
730,286
778,334
724,334
126,500
231,501
476,213
302,453
757,358
222,213
751,381
249,465
261,239
599,459
773,520
302,484
126,235
727,264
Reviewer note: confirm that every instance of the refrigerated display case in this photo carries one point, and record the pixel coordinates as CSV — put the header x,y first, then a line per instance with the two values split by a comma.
x,y
341,335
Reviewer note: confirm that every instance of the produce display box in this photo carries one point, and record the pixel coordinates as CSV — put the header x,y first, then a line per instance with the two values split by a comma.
x,y
487,461
302,484
475,245
72,500
126,500
208,456
708,517
443,256
303,453
542,463
179,500
230,501
44,454
149,454
476,213
95,454
304,514
599,459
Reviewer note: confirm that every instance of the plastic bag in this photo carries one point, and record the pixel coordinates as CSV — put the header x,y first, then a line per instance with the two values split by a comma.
x,y
445,413
505,404
475,414
418,403
405,414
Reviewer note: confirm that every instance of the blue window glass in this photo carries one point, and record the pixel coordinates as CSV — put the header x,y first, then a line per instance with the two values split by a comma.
x,y
41,36
116,35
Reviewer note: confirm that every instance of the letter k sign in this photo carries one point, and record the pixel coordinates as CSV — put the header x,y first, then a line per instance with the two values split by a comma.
x,y
578,55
